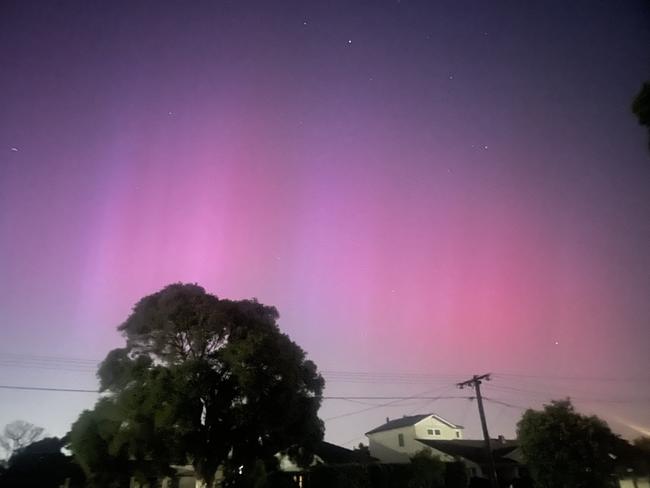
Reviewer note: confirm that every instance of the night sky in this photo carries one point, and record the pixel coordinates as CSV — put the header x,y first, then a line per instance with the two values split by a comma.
x,y
424,189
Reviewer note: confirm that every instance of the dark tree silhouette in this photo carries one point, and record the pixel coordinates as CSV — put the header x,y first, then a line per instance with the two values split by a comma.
x,y
205,381
427,471
564,449
19,434
641,107
41,464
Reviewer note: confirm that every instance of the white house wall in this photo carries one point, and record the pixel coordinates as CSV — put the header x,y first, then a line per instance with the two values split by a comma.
x,y
423,427
634,482
385,445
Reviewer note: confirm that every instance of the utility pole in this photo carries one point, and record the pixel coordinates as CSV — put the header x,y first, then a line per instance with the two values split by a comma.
x,y
475,382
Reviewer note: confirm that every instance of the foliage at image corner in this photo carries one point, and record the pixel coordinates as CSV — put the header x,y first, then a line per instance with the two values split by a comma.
x,y
206,381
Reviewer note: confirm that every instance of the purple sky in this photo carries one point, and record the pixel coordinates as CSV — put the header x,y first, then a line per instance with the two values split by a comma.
x,y
438,188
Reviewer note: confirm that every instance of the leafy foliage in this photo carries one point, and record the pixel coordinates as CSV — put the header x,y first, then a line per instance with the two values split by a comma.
x,y
202,380
564,449
641,106
19,434
427,470
424,470
637,457
455,475
41,464
643,445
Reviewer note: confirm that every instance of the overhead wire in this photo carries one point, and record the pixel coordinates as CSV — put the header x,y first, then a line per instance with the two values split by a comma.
x,y
549,396
86,365
44,388
383,405
505,404
333,373
11,359
576,378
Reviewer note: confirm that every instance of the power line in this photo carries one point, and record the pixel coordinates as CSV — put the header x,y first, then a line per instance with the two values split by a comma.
x,y
55,359
505,404
397,400
577,378
10,359
549,396
42,388
348,398
392,398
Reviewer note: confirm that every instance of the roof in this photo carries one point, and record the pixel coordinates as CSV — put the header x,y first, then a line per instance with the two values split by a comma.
x,y
409,420
333,454
446,422
474,450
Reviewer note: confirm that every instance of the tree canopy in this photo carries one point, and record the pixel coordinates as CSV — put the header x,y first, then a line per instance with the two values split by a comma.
x,y
205,381
41,464
564,449
19,434
641,106
427,471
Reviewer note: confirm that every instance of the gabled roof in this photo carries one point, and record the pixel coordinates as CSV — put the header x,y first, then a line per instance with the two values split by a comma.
x,y
446,422
406,421
398,423
474,450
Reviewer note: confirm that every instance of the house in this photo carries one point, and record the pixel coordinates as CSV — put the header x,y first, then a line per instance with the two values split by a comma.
x,y
324,453
397,440
505,453
634,482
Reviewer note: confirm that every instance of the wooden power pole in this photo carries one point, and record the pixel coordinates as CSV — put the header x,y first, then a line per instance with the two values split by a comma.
x,y
475,382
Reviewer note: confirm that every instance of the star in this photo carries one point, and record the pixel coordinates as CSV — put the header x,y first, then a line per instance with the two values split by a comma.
x,y
170,113
349,41
557,343
451,77
14,149
485,147
304,22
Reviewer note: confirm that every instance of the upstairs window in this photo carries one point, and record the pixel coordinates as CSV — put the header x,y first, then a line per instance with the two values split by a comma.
x,y
437,431
457,434
400,440
430,431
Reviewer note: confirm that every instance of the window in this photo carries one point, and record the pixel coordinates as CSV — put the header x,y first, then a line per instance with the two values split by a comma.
x,y
457,434
437,431
400,440
430,431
